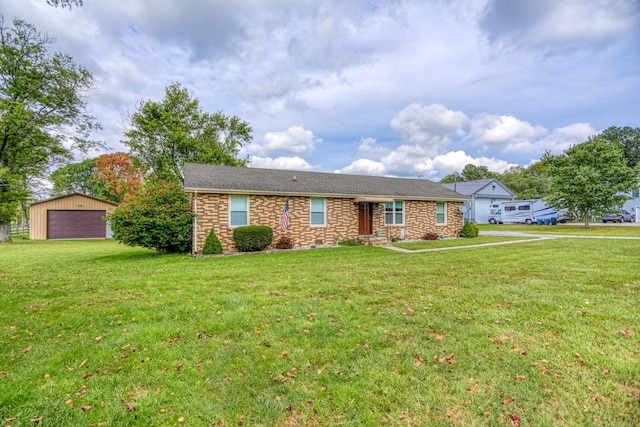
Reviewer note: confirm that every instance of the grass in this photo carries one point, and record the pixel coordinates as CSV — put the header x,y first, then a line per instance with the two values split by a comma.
x,y
543,333
574,229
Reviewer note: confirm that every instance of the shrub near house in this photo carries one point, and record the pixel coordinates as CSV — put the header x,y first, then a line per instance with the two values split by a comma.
x,y
252,238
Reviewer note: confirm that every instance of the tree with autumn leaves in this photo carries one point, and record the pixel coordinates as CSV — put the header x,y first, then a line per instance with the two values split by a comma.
x,y
164,135
120,174
110,177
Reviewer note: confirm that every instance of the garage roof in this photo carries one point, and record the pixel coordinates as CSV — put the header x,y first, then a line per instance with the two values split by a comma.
x,y
71,195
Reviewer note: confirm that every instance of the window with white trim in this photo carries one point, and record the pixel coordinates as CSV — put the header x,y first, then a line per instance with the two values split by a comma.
x,y
394,213
238,211
318,212
441,213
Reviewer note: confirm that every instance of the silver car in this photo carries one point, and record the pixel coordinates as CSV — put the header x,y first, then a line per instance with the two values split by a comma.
x,y
622,215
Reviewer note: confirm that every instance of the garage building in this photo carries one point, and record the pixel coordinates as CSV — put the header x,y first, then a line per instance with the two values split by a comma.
x,y
74,216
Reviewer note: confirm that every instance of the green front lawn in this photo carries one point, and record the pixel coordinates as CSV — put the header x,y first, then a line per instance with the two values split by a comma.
x,y
575,229
537,334
448,243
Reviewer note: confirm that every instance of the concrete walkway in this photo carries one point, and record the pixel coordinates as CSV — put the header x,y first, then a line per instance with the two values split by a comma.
x,y
529,238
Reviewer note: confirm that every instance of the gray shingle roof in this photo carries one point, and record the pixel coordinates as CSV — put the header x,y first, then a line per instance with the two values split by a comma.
x,y
243,180
471,187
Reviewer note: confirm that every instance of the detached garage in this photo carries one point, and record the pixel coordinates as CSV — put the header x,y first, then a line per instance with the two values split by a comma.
x,y
74,216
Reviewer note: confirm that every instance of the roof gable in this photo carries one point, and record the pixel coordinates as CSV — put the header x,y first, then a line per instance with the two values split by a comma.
x,y
237,180
72,195
469,188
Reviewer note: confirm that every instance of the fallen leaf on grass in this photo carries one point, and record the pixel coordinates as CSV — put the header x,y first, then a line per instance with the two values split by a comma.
x,y
520,378
626,333
98,338
86,408
83,391
509,400
36,420
437,336
450,359
515,420
27,350
421,360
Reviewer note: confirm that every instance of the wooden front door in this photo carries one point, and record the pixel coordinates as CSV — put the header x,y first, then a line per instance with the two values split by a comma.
x,y
365,218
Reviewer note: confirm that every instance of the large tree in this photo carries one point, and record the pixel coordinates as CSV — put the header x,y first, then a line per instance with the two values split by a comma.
x,y
119,174
470,172
589,178
629,140
526,182
77,178
42,99
164,135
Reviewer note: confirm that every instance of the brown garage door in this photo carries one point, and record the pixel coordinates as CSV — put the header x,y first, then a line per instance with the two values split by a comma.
x,y
75,224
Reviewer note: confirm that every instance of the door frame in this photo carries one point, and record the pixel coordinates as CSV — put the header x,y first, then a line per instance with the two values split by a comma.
x,y
365,218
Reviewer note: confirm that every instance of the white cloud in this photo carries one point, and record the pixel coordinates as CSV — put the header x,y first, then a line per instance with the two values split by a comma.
x,y
363,167
410,160
429,126
552,23
576,20
369,147
556,141
295,140
457,160
501,130
288,163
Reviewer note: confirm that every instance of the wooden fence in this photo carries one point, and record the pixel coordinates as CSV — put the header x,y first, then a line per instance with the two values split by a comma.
x,y
19,228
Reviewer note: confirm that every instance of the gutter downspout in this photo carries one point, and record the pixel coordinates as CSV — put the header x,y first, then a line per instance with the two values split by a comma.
x,y
194,243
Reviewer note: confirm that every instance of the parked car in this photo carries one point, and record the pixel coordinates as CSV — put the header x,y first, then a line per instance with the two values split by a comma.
x,y
627,216
566,217
621,215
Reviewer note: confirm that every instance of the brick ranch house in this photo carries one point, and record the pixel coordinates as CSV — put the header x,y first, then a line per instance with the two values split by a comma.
x,y
323,207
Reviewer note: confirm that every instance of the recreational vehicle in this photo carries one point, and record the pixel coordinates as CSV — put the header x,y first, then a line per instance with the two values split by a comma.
x,y
524,212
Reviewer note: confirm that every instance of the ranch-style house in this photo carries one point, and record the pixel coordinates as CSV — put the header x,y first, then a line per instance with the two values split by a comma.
x,y
321,208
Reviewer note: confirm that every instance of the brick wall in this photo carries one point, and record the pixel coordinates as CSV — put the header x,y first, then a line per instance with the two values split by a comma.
x,y
341,219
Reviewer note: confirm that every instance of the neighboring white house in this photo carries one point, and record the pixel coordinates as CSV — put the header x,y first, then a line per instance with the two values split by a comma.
x,y
633,205
483,193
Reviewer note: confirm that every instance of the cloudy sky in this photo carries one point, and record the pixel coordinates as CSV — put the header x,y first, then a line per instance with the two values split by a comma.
x,y
382,87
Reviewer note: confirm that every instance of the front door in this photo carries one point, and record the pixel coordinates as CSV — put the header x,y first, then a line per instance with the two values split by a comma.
x,y
365,218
